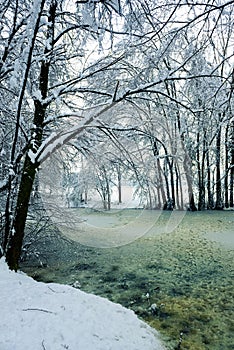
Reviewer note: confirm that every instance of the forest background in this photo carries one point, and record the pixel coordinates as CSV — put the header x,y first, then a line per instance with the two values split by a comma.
x,y
138,91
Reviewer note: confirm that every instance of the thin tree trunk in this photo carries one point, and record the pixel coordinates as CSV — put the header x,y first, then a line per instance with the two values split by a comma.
x,y
232,168
199,173
179,190
172,185
160,187
167,205
86,196
119,178
219,202
200,168
108,195
189,179
226,167
107,189
210,202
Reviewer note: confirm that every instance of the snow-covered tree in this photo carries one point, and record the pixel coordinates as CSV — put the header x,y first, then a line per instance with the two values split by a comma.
x,y
65,67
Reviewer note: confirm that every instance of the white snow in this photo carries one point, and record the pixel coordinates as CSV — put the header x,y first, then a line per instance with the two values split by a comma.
x,y
42,316
3,183
115,5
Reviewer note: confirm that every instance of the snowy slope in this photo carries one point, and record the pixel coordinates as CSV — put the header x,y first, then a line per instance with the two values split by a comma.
x,y
39,316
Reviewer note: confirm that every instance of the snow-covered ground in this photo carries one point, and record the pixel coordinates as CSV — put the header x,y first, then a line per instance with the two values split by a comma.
x,y
41,316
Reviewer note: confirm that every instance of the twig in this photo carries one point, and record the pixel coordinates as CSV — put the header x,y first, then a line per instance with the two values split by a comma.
x,y
54,291
115,93
42,310
178,347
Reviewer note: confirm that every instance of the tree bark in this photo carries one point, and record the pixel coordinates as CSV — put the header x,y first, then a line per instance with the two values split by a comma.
x,y
210,199
219,202
9,206
160,187
119,178
200,169
232,167
17,234
29,168
226,199
187,167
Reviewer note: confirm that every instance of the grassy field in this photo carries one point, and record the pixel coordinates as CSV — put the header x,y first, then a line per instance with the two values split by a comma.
x,y
180,282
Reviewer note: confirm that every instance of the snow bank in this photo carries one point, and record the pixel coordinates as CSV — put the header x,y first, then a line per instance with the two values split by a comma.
x,y
42,316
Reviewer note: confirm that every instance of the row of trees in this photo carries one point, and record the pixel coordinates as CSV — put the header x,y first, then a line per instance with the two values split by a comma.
x,y
163,171
144,87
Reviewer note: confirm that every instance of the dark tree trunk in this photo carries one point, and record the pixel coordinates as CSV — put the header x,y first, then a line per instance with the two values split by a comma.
x,y
201,169
226,199
106,189
177,204
187,168
29,168
119,179
168,203
219,202
199,172
9,206
16,238
210,202
189,179
232,167
172,185
160,187
108,195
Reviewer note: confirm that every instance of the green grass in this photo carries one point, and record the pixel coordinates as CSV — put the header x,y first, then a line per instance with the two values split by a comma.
x,y
189,278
